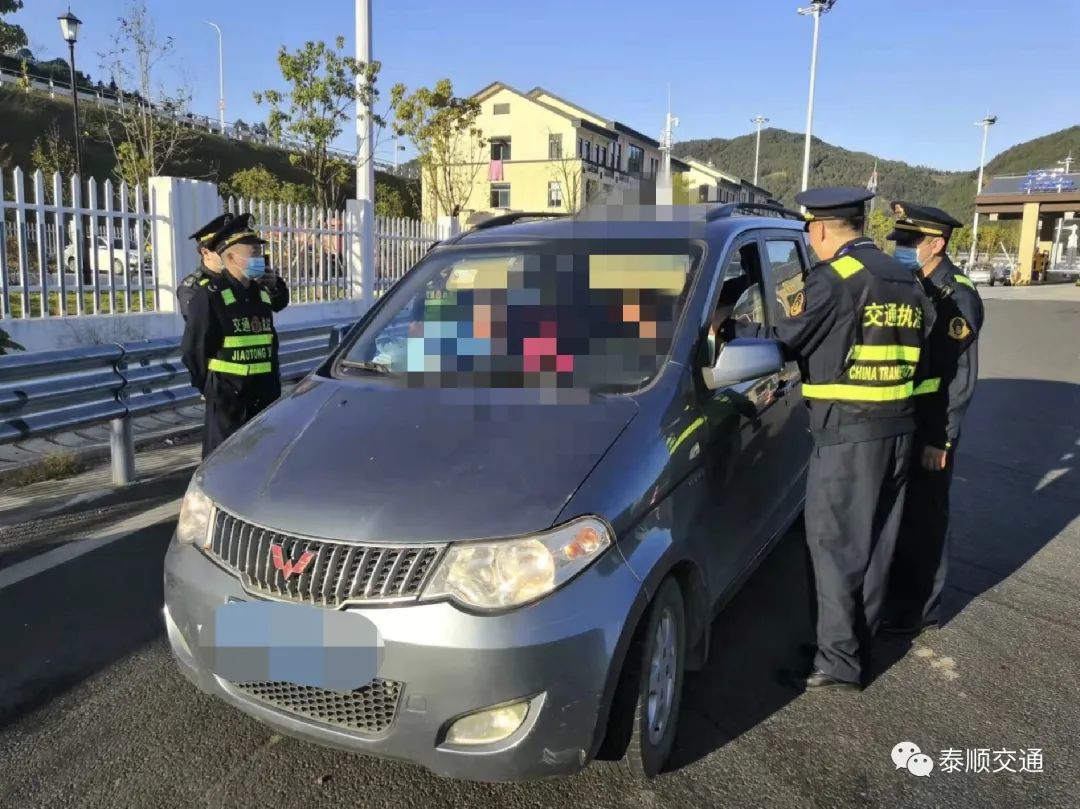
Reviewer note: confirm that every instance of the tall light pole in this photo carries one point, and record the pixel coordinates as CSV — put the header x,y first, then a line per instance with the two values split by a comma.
x,y
815,10
221,75
760,120
985,123
69,29
365,167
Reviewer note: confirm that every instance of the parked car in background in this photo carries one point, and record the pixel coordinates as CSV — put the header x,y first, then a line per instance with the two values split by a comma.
x,y
115,258
980,274
490,533
990,273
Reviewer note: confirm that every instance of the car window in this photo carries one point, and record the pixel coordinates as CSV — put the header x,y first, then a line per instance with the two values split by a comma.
x,y
786,262
587,316
742,292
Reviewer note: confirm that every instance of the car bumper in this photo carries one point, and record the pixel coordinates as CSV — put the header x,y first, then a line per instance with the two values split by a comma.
x,y
558,654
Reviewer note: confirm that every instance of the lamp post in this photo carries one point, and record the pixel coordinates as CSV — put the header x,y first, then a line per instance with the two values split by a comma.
x,y
985,123
365,167
815,10
69,29
221,75
760,120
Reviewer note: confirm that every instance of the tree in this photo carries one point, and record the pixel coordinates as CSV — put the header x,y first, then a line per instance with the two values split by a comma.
x,y
258,184
388,201
442,128
12,36
53,153
145,140
879,225
325,86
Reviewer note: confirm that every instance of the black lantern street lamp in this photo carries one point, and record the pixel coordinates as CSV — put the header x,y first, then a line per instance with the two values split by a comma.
x,y
69,27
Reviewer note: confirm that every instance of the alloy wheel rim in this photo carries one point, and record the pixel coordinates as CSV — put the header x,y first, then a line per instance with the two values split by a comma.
x,y
663,667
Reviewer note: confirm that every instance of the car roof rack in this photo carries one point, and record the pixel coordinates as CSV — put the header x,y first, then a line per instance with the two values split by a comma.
x,y
502,219
761,208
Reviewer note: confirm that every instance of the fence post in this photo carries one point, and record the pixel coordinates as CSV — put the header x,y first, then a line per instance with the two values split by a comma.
x,y
359,223
179,207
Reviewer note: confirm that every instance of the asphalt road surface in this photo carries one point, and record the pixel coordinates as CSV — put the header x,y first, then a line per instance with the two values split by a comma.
x,y
94,714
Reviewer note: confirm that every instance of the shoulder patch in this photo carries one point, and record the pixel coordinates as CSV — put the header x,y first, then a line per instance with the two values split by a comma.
x,y
964,280
204,282
797,304
959,328
189,281
846,266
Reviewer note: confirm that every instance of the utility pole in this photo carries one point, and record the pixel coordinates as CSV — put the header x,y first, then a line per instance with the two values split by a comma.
x,y
815,10
985,123
666,184
365,168
760,120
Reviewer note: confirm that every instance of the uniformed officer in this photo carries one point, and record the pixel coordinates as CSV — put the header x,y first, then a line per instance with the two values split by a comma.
x,y
858,337
230,345
210,266
922,236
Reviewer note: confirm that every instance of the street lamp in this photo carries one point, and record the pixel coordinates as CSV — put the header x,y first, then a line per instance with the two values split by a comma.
x,y
985,123
221,75
69,28
815,10
760,120
365,167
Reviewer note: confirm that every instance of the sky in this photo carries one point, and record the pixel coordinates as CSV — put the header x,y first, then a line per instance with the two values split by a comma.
x,y
902,79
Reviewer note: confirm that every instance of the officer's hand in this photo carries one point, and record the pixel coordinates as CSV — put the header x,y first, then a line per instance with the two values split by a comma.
x,y
934,459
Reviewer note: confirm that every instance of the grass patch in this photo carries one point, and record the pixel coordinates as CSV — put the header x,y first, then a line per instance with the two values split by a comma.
x,y
108,304
53,467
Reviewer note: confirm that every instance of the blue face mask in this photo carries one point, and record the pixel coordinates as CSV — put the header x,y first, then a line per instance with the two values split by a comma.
x,y
908,256
256,266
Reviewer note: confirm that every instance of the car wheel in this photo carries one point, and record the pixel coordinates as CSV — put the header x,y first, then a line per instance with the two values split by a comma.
x,y
649,694
71,264
117,267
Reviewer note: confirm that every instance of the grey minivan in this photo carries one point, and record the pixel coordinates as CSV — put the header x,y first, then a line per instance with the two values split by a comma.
x,y
489,533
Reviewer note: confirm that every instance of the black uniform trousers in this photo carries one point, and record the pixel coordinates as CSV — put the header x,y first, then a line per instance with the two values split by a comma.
x,y
922,551
229,407
855,495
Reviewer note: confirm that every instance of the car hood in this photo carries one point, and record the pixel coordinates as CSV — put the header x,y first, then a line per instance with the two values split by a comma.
x,y
370,462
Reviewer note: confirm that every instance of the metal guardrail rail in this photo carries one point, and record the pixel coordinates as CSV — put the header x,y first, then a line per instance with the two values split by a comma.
x,y
48,392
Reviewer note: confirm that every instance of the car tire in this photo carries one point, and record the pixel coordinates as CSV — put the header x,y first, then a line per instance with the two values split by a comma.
x,y
117,267
645,712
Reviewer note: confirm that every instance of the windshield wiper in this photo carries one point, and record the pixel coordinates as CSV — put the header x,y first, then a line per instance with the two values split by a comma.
x,y
369,366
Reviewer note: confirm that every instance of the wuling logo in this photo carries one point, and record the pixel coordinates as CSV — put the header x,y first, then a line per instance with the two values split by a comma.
x,y
288,568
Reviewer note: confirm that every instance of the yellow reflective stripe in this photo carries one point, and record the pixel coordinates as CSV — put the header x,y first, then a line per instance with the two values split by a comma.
x,y
228,296
847,266
963,279
859,393
694,425
885,353
239,368
204,282
932,385
264,295
245,340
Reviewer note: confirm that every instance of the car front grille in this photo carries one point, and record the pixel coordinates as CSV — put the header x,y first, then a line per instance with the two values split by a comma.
x,y
370,709
323,573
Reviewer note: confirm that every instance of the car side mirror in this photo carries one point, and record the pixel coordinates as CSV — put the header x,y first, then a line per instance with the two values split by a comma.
x,y
742,360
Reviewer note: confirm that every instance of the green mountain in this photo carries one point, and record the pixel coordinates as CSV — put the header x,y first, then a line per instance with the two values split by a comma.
x,y
782,155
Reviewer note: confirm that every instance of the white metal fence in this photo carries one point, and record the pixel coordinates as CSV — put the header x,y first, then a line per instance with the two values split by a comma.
x,y
74,249
309,248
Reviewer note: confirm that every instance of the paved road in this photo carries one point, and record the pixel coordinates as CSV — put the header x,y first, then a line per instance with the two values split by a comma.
x,y
96,715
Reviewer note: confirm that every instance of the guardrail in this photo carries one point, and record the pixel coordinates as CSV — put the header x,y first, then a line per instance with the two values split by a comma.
x,y
48,392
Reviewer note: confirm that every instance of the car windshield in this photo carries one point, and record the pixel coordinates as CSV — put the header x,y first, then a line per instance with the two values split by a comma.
x,y
588,316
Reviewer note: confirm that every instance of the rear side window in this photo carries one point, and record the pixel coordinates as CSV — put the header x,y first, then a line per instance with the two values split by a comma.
x,y
788,271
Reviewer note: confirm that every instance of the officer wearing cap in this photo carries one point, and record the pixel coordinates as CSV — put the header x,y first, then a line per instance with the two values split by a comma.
x,y
230,346
922,235
858,340
210,266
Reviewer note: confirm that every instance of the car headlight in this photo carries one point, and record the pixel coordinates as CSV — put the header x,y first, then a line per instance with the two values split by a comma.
x,y
193,526
510,572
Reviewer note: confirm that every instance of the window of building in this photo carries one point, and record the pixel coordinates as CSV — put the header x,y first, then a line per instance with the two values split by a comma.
x,y
703,193
654,166
502,109
500,195
618,155
554,147
637,159
554,195
500,148
601,155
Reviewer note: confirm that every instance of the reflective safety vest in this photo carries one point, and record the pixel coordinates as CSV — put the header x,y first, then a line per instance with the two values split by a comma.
x,y
250,344
880,368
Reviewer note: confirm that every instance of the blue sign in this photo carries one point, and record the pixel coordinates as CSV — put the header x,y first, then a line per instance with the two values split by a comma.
x,y
1047,182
